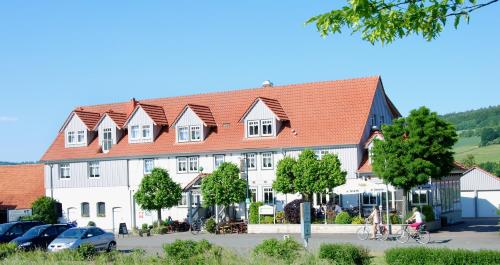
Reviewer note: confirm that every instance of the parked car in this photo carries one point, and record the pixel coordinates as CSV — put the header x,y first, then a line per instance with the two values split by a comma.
x,y
12,230
74,237
39,237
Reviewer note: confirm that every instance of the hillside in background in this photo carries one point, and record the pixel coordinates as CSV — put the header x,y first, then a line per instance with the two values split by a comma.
x,y
4,163
479,136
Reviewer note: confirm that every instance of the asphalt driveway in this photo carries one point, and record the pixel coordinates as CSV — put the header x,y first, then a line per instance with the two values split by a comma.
x,y
471,234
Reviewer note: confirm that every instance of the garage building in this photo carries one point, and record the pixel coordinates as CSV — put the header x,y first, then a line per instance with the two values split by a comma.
x,y
480,192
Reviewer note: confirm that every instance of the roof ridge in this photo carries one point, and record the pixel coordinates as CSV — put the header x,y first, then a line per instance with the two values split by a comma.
x,y
237,90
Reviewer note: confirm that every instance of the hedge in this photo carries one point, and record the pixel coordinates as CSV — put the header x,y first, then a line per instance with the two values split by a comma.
x,y
442,256
345,254
7,249
343,218
287,250
253,212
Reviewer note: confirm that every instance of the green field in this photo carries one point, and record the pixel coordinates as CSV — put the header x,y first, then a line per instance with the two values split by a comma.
x,y
470,145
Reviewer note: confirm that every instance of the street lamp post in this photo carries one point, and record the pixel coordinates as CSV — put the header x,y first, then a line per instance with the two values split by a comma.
x,y
247,199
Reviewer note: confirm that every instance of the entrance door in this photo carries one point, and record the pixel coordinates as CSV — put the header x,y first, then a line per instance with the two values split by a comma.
x,y
107,140
71,214
117,219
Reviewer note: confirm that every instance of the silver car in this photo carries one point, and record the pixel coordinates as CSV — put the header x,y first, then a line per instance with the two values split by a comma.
x,y
74,237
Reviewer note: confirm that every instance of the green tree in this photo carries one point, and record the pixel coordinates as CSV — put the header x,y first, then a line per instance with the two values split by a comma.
x,y
307,175
386,20
44,209
414,149
223,186
469,161
158,191
488,135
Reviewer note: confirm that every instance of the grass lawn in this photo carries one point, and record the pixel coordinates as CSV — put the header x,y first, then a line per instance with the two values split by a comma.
x,y
470,145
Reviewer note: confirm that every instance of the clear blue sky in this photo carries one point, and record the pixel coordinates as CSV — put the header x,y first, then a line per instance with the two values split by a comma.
x,y
55,55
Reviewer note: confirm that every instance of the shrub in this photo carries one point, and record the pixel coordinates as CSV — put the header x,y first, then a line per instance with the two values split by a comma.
x,y
287,250
347,254
253,212
183,250
428,212
394,218
86,251
266,219
144,226
343,218
44,209
159,230
292,211
210,225
7,250
443,256
357,220
91,223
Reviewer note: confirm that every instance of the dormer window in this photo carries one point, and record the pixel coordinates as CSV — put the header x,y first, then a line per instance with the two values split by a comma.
x,y
134,131
79,128
253,128
183,134
81,136
195,133
267,127
145,123
71,137
264,118
193,123
146,131
107,139
260,128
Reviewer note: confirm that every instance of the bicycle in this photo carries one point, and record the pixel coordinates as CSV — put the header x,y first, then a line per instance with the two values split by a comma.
x,y
421,235
196,226
364,232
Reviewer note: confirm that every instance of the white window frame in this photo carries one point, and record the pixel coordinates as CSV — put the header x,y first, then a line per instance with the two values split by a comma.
x,y
252,156
107,143
255,124
146,129
137,130
94,166
70,137
194,129
193,159
179,134
266,190
87,212
186,165
268,123
253,190
268,155
216,165
146,161
64,168
81,134
374,120
98,213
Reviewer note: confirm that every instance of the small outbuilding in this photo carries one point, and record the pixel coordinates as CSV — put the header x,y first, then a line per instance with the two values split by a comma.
x,y
480,193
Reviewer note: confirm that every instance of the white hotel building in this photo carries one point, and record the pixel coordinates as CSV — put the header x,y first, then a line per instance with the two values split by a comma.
x,y
101,153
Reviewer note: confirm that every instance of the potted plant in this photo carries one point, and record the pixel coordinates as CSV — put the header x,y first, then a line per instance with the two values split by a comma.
x,y
145,230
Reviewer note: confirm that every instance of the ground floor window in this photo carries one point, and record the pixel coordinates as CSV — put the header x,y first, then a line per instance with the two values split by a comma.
x,y
321,199
419,197
369,199
85,209
253,194
268,196
101,209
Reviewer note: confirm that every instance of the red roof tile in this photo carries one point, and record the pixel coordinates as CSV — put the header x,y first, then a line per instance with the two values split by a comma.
x,y
155,112
365,166
203,112
320,114
21,185
90,119
118,118
273,104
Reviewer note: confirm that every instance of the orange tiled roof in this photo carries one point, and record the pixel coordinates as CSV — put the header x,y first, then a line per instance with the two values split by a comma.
x,y
118,118
90,119
273,104
21,185
372,136
365,166
203,112
155,112
320,114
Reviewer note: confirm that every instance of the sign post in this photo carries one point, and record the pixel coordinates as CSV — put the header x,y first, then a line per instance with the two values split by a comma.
x,y
305,222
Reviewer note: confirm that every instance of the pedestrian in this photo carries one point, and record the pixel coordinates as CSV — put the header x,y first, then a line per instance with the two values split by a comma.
x,y
375,219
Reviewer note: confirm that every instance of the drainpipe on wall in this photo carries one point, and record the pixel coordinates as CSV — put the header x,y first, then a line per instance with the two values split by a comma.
x,y
51,182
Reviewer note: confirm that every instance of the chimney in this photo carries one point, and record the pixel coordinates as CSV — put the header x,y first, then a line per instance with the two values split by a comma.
x,y
132,105
267,83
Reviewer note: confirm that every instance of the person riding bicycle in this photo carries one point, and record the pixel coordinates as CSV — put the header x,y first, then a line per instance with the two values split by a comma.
x,y
375,218
417,218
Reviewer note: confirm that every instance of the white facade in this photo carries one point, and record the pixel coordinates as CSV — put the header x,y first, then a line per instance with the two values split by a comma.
x,y
480,191
76,133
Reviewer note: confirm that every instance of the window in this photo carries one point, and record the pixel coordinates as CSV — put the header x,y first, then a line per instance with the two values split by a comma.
x,y
267,127
419,197
195,133
320,198
94,169
85,209
80,136
374,120
183,134
253,194
134,131
146,131
64,171
148,165
71,137
369,199
107,139
193,164
218,159
320,153
267,160
268,196
253,128
181,164
101,209
252,161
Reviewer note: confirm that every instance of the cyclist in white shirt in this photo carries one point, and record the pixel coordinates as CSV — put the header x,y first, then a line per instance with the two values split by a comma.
x,y
417,217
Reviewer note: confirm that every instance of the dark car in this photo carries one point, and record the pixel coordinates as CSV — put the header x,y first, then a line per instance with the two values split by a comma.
x,y
39,237
9,231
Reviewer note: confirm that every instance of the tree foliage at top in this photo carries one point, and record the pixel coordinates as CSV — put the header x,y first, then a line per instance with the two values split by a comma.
x,y
307,174
414,148
158,191
223,186
386,20
44,209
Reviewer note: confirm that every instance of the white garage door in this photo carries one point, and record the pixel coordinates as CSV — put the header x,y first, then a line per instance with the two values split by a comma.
x,y
487,203
468,204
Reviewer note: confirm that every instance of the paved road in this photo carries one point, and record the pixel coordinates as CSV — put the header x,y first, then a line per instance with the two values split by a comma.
x,y
472,234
